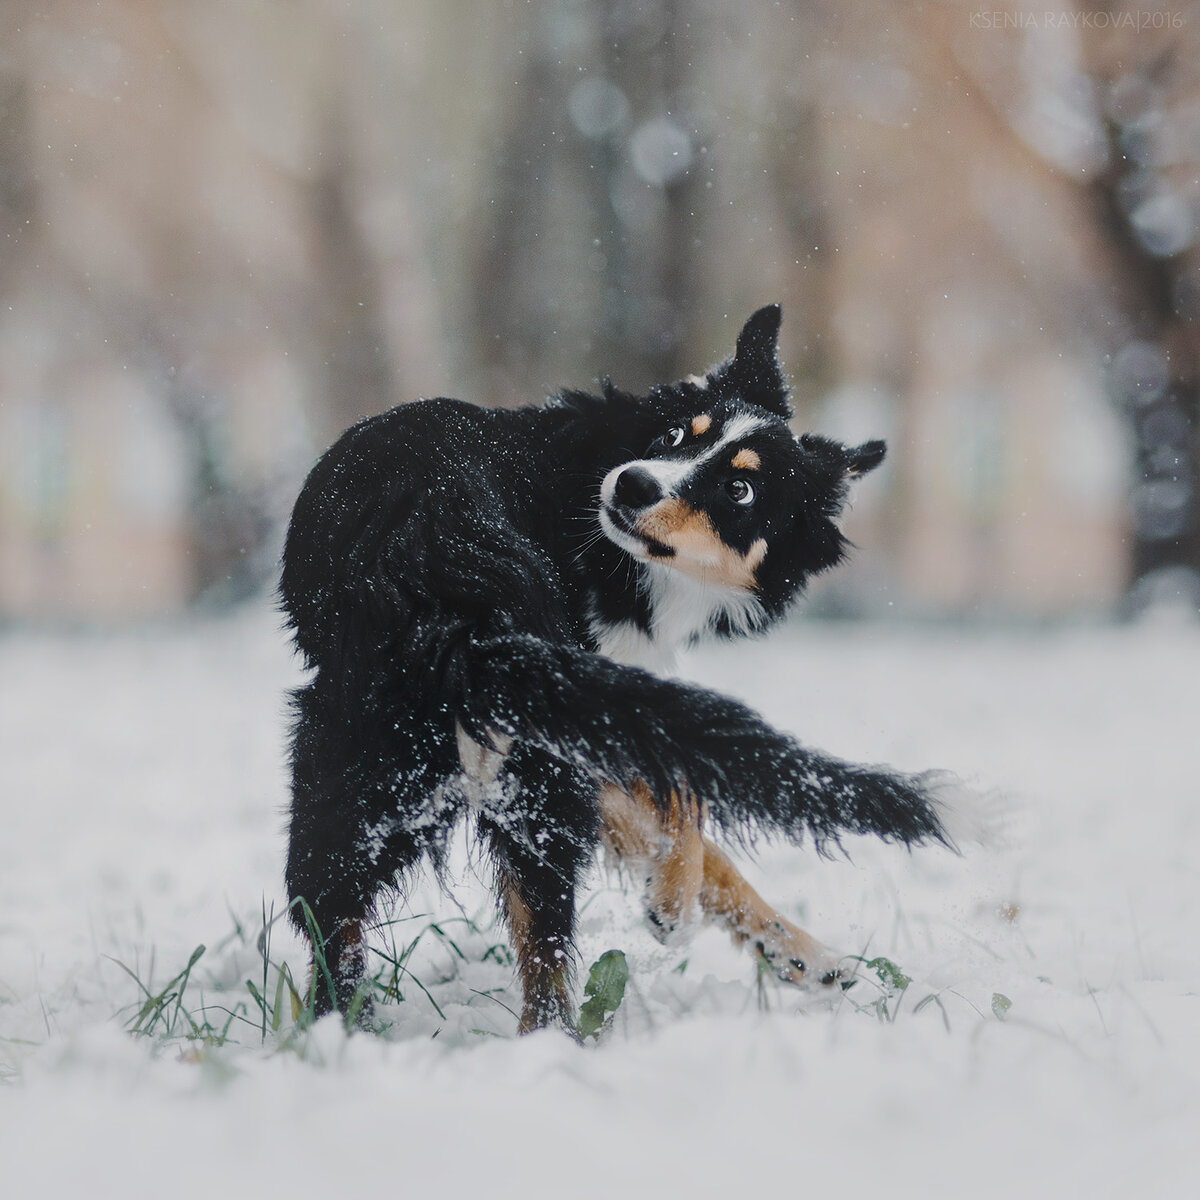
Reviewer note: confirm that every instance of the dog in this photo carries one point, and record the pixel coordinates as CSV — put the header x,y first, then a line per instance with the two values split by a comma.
x,y
490,601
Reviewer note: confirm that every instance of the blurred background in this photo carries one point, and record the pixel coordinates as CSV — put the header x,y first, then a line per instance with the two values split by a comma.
x,y
229,228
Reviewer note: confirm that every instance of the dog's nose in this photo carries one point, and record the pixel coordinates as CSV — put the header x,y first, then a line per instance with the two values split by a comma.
x,y
636,488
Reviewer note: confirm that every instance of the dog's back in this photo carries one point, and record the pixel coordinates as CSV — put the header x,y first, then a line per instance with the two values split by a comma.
x,y
437,510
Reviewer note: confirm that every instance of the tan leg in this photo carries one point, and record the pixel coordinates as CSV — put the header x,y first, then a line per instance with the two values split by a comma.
x,y
666,847
541,963
729,901
687,877
344,955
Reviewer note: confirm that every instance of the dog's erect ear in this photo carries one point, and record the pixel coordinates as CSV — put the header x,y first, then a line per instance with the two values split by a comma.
x,y
864,458
759,340
855,460
754,370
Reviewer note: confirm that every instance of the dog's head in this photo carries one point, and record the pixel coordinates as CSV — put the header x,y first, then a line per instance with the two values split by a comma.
x,y
724,492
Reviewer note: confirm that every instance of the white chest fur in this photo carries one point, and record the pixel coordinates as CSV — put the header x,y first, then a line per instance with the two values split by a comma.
x,y
625,643
681,609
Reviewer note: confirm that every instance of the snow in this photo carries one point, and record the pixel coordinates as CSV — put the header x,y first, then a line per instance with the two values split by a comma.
x,y
143,792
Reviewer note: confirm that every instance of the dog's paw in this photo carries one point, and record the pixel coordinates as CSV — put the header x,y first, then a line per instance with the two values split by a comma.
x,y
794,957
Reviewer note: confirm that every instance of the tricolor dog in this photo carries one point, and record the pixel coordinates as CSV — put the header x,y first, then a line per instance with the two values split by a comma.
x,y
490,602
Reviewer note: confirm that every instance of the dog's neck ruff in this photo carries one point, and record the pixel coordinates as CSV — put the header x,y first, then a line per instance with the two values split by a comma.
x,y
682,609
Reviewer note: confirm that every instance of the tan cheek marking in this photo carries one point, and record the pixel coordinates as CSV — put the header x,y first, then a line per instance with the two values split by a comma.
x,y
678,525
746,460
701,424
754,556
699,551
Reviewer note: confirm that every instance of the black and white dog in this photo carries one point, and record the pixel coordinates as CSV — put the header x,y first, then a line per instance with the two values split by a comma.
x,y
483,595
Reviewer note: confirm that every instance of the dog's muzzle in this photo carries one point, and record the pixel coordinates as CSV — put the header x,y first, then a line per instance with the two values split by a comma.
x,y
636,488
624,495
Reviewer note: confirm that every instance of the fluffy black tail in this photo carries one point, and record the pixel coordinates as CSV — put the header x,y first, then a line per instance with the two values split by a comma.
x,y
622,724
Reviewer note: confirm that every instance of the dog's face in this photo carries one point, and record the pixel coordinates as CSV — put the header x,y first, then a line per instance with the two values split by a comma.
x,y
723,492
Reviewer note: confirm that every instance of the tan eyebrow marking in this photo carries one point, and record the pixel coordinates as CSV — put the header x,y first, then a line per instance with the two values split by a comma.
x,y
701,424
746,460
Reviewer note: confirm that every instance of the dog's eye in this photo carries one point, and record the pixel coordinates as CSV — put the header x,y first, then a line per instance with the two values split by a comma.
x,y
674,436
740,491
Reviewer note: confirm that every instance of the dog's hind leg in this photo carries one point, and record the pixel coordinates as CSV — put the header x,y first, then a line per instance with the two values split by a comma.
x,y
352,832
539,844
689,879
331,905
541,936
338,873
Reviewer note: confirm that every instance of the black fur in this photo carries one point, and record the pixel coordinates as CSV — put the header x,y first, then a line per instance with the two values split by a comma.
x,y
445,570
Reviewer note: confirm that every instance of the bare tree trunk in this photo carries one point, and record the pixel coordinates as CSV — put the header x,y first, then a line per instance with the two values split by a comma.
x,y
354,343
1156,372
649,273
577,212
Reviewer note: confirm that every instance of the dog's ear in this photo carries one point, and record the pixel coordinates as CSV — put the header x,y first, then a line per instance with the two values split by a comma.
x,y
854,460
759,340
754,371
864,458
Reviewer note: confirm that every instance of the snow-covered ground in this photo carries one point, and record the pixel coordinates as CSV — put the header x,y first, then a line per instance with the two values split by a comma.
x,y
141,814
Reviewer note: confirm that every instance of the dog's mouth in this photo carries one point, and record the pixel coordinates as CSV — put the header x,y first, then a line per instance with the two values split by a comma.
x,y
623,532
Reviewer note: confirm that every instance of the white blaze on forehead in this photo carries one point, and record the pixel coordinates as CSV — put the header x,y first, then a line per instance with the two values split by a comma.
x,y
670,473
741,426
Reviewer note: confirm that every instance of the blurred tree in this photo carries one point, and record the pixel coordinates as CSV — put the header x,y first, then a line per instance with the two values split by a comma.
x,y
1147,205
1058,151
1108,100
592,217
356,370
228,230
16,182
646,182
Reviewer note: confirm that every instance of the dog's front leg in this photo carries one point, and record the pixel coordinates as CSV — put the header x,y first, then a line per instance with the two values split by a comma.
x,y
688,879
664,847
727,900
